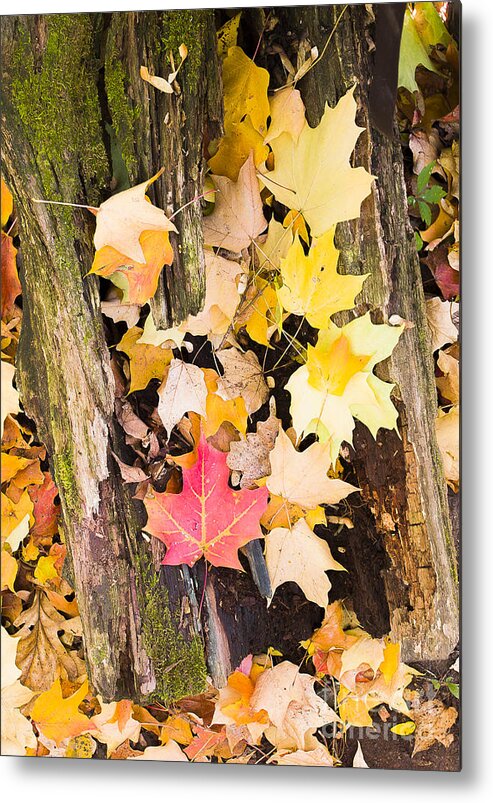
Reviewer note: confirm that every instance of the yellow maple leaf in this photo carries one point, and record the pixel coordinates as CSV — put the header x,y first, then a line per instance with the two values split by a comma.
x,y
146,362
219,410
336,385
314,175
59,717
246,108
311,284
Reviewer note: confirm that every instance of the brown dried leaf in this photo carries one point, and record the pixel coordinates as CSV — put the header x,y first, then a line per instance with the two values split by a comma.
x,y
41,655
433,723
250,456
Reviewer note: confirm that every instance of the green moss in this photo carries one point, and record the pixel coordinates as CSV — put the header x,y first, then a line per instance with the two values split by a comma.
x,y
123,113
58,103
179,666
66,480
186,26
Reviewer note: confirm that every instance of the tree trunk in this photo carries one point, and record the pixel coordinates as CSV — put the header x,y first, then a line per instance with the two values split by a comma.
x,y
74,107
66,119
401,477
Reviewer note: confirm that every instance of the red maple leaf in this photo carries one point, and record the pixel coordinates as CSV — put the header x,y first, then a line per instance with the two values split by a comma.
x,y
207,518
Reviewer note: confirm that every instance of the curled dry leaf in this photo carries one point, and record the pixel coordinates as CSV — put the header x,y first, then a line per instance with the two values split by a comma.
x,y
433,723
250,455
243,376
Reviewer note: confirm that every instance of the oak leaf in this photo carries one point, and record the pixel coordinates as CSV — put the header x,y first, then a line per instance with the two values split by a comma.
x,y
207,518
40,654
301,557
314,175
122,219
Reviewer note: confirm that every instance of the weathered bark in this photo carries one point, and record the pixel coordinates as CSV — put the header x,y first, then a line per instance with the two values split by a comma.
x,y
62,90
401,478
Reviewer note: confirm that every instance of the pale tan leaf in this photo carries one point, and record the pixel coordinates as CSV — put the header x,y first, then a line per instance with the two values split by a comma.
x,y
183,391
243,376
301,477
122,218
237,217
301,557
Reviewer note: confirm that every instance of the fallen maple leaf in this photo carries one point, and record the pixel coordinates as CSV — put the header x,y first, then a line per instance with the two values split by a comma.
x,y
250,456
237,217
243,376
312,287
337,383
122,219
448,437
287,114
299,556
137,279
114,724
441,316
221,297
10,284
146,362
293,707
171,751
325,189
183,391
433,722
246,108
449,383
10,396
59,717
301,477
207,518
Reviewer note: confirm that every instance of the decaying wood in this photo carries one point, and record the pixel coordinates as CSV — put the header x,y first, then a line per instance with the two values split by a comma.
x,y
141,640
401,478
